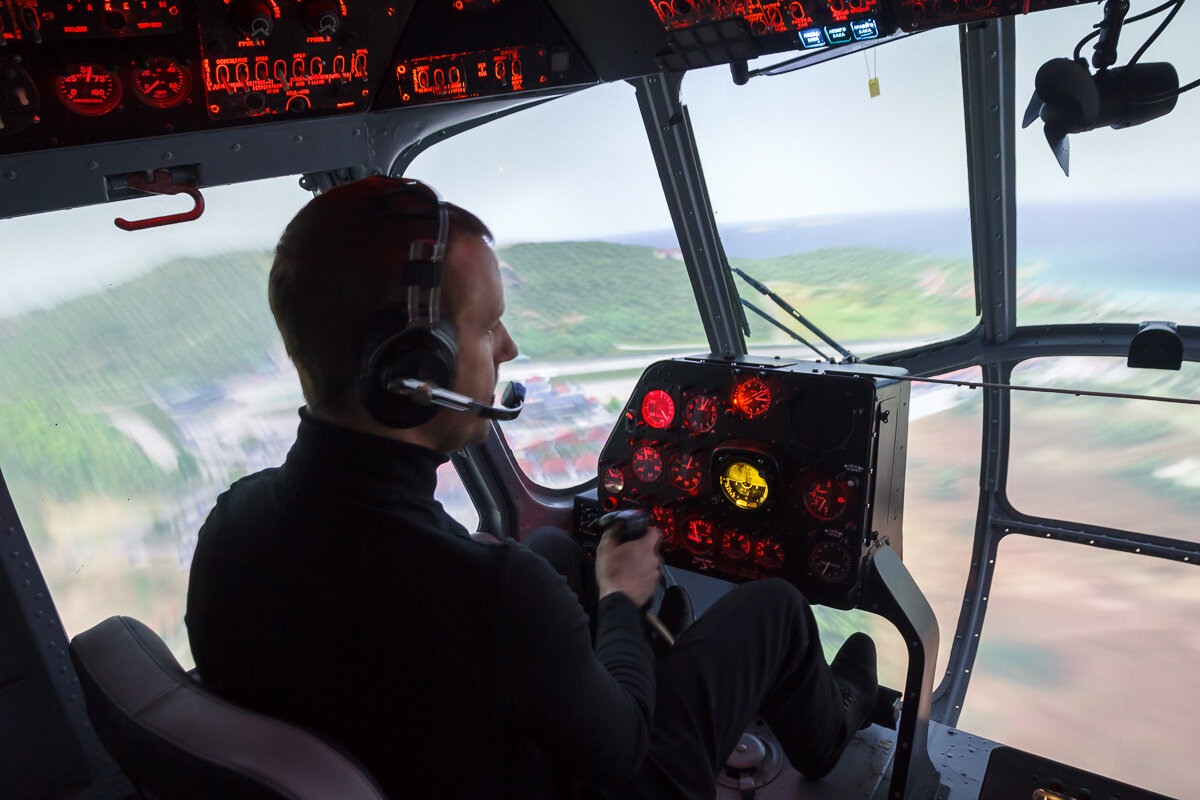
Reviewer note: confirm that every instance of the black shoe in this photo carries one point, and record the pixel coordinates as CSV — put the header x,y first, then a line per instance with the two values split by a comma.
x,y
676,610
676,614
855,676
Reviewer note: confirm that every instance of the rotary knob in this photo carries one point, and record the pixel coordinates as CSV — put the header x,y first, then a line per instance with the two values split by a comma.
x,y
322,17
255,19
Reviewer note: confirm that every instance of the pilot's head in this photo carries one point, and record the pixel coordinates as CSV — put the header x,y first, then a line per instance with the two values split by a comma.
x,y
340,262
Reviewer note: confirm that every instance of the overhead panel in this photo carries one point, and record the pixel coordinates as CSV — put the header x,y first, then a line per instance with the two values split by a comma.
x,y
462,49
711,31
74,73
914,15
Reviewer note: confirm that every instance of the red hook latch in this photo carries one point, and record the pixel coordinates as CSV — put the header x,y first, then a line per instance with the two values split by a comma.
x,y
161,184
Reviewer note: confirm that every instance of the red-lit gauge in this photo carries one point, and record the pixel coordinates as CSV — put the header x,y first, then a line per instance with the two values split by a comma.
x,y
700,413
768,553
613,479
735,546
88,89
830,561
698,536
162,83
825,499
664,520
658,409
686,471
647,463
751,398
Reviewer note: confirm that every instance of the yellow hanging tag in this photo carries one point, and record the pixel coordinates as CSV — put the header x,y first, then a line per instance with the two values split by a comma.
x,y
873,86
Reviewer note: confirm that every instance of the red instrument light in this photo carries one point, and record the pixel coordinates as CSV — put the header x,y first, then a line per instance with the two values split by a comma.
x,y
698,536
162,82
613,479
768,553
751,398
686,472
664,520
700,413
89,90
647,463
736,546
825,499
658,409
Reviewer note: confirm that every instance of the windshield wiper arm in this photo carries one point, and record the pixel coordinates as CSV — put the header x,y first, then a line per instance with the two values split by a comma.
x,y
779,301
785,329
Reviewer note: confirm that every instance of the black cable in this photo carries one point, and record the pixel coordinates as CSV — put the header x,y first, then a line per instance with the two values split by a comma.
x,y
1138,18
1162,26
1079,47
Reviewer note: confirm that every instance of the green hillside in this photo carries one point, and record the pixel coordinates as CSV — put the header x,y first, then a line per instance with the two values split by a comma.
x,y
192,322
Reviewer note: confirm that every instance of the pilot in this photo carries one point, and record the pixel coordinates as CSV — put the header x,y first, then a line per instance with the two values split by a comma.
x,y
336,593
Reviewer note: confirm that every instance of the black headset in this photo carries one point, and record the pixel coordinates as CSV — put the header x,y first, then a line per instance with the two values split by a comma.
x,y
411,353
409,340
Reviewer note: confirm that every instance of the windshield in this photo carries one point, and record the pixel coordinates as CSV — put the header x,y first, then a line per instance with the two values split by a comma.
x,y
1116,241
594,282
852,207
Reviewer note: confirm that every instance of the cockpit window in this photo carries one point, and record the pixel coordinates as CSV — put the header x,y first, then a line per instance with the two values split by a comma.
x,y
143,374
853,208
593,279
1116,241
1120,463
1086,659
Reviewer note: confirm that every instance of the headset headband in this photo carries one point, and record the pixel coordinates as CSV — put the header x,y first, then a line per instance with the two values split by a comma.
x,y
426,250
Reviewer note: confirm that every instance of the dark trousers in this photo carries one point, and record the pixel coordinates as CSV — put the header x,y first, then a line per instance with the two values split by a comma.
x,y
756,652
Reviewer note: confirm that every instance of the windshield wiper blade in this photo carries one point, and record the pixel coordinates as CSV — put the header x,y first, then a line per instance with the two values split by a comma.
x,y
779,301
785,329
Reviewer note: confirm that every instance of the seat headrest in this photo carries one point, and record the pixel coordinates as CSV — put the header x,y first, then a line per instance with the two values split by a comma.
x,y
176,739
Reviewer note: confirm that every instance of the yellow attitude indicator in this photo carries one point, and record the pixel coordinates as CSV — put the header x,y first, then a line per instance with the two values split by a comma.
x,y
743,485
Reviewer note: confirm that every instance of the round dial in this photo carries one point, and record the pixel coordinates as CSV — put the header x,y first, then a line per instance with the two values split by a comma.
x,y
89,90
829,561
613,479
743,485
698,536
736,546
658,409
686,471
768,553
751,398
825,499
647,463
162,83
664,520
700,413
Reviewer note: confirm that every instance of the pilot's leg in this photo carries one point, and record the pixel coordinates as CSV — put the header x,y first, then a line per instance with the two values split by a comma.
x,y
756,651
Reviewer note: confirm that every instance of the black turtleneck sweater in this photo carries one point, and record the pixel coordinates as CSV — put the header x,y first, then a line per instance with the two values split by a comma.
x,y
335,592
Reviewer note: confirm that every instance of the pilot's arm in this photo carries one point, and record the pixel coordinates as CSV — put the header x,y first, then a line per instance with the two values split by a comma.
x,y
588,709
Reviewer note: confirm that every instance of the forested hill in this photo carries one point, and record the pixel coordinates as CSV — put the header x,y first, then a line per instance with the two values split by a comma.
x,y
587,299
193,322
189,320
197,320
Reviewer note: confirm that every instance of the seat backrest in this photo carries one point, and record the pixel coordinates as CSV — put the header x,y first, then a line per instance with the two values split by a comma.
x,y
175,739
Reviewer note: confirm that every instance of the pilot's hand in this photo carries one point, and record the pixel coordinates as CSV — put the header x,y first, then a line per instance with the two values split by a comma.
x,y
631,567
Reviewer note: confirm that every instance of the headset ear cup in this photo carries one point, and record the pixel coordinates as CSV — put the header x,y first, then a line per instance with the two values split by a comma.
x,y
397,353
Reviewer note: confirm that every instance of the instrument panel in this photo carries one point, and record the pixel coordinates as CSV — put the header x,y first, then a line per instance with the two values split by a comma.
x,y
756,470
76,72
814,23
